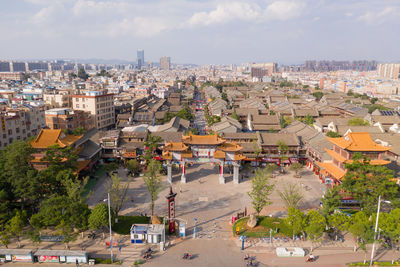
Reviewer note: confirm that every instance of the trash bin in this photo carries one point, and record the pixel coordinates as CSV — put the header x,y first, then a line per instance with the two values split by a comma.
x,y
91,261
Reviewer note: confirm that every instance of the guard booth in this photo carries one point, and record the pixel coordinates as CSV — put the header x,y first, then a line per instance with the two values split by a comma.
x,y
147,233
61,256
16,255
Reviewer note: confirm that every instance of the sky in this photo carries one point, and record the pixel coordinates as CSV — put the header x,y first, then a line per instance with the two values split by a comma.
x,y
201,31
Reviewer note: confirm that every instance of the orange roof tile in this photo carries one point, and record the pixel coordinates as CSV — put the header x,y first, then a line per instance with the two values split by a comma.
x,y
50,137
202,139
175,146
361,141
374,162
82,164
167,155
335,155
239,156
230,147
219,154
332,170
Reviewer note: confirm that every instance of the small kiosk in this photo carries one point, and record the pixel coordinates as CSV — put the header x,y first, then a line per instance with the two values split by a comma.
x,y
61,256
16,255
147,233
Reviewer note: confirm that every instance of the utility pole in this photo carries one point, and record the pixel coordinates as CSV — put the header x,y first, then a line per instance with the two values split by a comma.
x,y
376,229
109,223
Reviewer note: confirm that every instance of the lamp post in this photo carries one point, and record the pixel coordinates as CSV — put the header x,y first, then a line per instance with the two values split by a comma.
x,y
109,223
376,229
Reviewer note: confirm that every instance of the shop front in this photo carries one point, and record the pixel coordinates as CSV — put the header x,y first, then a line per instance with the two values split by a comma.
x,y
16,255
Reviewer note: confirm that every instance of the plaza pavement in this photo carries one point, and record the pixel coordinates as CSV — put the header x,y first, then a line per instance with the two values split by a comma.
x,y
212,204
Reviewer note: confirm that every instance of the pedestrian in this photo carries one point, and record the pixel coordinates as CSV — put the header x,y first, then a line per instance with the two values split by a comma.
x,y
132,199
76,262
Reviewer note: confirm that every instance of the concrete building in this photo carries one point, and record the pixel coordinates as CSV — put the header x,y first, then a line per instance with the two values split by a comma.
x,y
391,71
61,100
165,63
100,105
20,124
65,118
140,58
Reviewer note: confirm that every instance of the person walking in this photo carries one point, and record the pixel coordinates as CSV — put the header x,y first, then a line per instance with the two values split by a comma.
x,y
76,262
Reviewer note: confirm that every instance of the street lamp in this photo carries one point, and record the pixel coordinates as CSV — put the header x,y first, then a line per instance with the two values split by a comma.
x,y
109,223
376,229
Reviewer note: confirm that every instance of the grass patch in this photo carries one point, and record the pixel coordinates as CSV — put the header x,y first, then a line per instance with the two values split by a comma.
x,y
376,263
107,261
265,223
124,224
138,262
100,172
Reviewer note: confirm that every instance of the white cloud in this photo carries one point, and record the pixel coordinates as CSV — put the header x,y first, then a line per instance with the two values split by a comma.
x,y
380,17
284,10
226,12
244,11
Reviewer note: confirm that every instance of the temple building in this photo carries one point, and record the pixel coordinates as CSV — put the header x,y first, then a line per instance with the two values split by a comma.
x,y
332,172
203,149
88,152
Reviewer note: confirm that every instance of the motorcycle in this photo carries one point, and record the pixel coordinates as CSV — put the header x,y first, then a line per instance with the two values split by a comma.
x,y
187,256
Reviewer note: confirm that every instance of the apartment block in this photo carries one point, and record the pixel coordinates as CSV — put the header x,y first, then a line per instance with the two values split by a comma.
x,y
98,104
391,71
68,119
20,124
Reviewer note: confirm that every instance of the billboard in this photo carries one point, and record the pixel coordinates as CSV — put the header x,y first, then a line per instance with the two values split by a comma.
x,y
44,258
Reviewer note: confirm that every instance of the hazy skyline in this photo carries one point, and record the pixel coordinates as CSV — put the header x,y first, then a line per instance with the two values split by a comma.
x,y
201,31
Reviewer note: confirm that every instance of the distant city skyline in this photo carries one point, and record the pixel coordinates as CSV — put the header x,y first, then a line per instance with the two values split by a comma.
x,y
201,31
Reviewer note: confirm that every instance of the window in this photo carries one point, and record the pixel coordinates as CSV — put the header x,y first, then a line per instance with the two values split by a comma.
x,y
83,106
77,105
4,136
10,132
17,130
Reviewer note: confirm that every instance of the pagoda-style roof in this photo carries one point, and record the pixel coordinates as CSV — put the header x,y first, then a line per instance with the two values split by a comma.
x,y
192,139
360,141
334,171
230,147
219,154
239,156
171,146
339,158
167,155
50,137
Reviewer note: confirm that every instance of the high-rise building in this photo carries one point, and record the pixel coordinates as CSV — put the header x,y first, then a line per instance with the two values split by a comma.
x,y
391,71
165,63
4,66
140,58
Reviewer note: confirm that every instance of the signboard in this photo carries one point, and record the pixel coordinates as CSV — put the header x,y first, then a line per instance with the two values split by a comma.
x,y
43,258
74,258
203,152
22,258
202,160
62,259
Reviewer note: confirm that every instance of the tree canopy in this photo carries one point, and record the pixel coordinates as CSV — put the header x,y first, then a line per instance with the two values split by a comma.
x,y
261,189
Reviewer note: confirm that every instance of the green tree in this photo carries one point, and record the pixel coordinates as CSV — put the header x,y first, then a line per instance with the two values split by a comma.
x,y
65,229
5,238
133,166
296,220
257,150
109,167
235,115
318,95
118,191
315,226
357,122
98,217
82,74
291,195
185,113
389,223
151,144
366,182
332,134
152,179
339,222
74,188
271,167
34,236
16,226
350,93
308,119
282,147
261,189
331,201
296,167
362,229
168,116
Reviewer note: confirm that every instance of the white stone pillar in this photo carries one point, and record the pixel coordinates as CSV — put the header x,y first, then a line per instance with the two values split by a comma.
x,y
221,174
236,173
183,177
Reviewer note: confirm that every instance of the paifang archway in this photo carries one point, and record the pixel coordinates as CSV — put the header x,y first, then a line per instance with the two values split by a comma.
x,y
203,149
